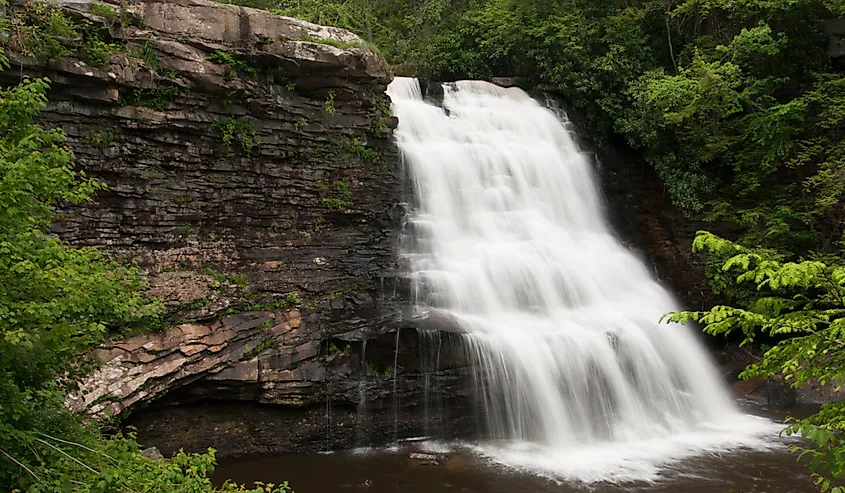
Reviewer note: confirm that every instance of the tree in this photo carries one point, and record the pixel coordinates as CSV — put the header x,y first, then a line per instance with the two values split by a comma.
x,y
801,304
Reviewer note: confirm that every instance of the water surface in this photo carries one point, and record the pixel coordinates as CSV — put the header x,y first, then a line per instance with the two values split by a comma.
x,y
390,471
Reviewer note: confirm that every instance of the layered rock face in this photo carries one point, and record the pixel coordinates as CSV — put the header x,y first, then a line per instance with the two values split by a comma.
x,y
235,141
270,381
252,176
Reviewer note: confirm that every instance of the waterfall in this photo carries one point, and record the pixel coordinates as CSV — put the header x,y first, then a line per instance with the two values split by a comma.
x,y
579,377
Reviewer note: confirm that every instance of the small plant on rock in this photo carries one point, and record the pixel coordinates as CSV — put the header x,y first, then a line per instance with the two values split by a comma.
x,y
240,131
328,104
221,57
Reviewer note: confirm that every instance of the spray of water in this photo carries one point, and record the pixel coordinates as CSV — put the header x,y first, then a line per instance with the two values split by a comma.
x,y
578,376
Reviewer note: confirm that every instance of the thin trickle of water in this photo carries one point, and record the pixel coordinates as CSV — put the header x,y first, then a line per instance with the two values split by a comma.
x,y
510,238
328,421
429,348
395,388
363,400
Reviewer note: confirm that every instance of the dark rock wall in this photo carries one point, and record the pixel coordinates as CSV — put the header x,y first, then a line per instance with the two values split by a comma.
x,y
252,176
252,182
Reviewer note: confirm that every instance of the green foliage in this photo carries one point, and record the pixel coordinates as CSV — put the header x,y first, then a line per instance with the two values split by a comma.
x,y
196,304
55,303
100,138
372,371
341,197
262,346
238,280
328,104
42,32
735,104
354,147
800,304
149,55
39,29
104,11
289,301
158,98
334,350
236,62
383,106
99,52
240,131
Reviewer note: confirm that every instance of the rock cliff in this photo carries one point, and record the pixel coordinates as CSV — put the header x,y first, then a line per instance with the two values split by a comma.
x,y
252,177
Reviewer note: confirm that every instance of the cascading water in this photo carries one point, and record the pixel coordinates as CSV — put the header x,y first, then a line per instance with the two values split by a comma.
x,y
578,376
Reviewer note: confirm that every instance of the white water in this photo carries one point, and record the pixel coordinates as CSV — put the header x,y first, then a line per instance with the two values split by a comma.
x,y
579,379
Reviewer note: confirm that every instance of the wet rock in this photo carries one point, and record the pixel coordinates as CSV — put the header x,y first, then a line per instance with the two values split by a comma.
x,y
505,81
152,453
417,458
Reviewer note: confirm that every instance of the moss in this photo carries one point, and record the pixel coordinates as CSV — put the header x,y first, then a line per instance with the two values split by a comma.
x,y
261,347
180,198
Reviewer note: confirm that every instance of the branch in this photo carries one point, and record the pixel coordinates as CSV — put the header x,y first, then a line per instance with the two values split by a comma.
x,y
86,466
835,287
28,470
80,446
669,37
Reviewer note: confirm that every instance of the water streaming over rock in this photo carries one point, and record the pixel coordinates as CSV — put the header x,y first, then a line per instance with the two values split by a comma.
x,y
577,375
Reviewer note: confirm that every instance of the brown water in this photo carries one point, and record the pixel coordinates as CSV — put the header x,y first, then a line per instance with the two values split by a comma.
x,y
389,471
